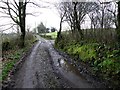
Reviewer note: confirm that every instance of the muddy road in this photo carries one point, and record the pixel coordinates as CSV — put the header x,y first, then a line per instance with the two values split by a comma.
x,y
46,68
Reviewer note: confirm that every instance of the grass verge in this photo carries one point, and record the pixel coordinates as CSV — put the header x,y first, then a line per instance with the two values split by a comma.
x,y
12,56
49,36
102,59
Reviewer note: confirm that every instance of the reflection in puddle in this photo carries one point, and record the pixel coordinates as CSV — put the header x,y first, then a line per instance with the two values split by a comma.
x,y
69,67
69,71
62,61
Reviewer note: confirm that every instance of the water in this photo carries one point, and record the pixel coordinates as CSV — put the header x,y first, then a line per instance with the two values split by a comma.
x,y
73,75
68,70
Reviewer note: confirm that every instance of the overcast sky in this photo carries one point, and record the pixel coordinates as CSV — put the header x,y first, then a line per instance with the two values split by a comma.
x,y
48,14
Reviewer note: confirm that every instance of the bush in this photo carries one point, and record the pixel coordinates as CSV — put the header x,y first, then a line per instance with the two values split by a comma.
x,y
5,45
12,41
46,36
103,59
14,53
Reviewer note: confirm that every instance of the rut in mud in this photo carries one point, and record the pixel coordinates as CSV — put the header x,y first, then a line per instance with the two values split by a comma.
x,y
46,68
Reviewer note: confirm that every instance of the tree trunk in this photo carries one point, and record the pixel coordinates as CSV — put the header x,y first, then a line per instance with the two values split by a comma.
x,y
59,33
22,16
23,32
22,40
102,21
76,22
118,29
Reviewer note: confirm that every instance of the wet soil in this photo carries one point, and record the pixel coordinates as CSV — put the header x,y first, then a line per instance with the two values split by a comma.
x,y
45,67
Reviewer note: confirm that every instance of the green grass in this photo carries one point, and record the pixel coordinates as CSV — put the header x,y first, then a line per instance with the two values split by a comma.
x,y
84,52
11,59
51,35
103,60
13,55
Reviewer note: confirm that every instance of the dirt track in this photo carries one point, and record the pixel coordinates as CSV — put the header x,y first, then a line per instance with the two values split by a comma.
x,y
45,68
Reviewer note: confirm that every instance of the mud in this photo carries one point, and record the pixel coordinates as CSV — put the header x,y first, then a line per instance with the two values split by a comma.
x,y
45,67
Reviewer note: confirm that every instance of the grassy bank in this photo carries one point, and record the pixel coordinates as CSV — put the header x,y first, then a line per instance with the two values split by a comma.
x,y
12,53
49,36
103,59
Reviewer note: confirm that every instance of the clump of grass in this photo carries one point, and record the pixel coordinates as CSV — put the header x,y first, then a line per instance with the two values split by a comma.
x,y
49,36
10,60
13,54
103,59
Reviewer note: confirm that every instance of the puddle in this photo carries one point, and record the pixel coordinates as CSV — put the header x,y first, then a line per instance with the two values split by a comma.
x,y
72,74
62,61
68,70
70,67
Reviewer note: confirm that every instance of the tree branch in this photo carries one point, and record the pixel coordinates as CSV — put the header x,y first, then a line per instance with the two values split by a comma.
x,y
11,14
16,4
7,24
9,28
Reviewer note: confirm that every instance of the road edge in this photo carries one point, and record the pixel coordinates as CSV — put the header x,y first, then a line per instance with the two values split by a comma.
x,y
9,82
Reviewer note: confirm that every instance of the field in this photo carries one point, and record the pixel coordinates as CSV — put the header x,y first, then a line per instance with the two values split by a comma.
x,y
51,35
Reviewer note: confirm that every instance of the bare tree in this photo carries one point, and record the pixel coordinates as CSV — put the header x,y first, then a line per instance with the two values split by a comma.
x,y
83,9
62,11
16,10
94,20
75,15
69,16
118,29
113,12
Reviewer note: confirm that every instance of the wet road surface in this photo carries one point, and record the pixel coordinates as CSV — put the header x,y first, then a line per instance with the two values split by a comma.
x,y
46,68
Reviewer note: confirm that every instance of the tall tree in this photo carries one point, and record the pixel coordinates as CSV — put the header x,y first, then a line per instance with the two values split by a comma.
x,y
22,17
16,10
75,15
112,9
62,11
118,29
